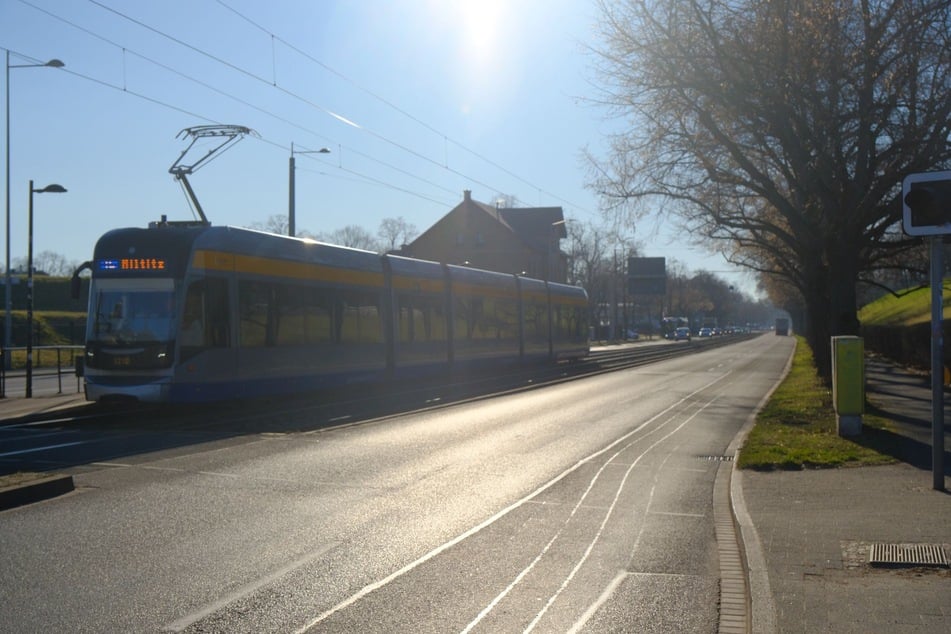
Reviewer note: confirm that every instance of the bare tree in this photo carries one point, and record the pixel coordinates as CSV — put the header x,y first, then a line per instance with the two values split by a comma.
x,y
782,127
597,259
395,232
276,223
47,263
351,236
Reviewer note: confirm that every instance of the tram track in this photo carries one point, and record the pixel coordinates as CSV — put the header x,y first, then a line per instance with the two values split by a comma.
x,y
94,434
360,403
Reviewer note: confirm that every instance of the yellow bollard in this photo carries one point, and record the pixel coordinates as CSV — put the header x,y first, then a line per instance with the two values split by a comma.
x,y
848,383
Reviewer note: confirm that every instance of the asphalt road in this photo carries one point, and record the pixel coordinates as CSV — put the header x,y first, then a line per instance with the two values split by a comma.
x,y
585,506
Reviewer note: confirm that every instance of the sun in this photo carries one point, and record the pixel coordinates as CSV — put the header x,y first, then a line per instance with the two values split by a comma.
x,y
483,43
483,25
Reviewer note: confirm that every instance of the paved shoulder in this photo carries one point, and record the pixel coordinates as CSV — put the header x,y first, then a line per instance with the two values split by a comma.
x,y
816,529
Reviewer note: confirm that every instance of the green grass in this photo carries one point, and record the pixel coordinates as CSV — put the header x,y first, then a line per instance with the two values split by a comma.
x,y
797,428
52,328
911,306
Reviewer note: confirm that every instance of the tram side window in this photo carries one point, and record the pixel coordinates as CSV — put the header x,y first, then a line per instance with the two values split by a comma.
x,y
421,319
205,321
569,321
486,318
304,315
254,305
505,320
560,321
579,323
536,320
293,315
468,317
315,315
359,317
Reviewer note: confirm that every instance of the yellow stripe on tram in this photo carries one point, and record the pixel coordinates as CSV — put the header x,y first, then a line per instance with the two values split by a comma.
x,y
221,261
402,283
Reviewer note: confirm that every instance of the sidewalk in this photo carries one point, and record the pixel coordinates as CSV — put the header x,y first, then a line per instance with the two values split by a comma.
x,y
808,554
16,409
16,406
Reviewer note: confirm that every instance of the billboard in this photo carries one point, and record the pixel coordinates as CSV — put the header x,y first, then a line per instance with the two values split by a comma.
x,y
647,276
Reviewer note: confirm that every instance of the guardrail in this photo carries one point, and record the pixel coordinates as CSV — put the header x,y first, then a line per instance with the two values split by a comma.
x,y
47,361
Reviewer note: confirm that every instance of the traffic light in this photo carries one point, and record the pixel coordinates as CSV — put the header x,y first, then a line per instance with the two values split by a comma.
x,y
926,199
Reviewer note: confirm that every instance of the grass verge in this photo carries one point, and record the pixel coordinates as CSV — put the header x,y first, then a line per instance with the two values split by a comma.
x,y
908,307
797,428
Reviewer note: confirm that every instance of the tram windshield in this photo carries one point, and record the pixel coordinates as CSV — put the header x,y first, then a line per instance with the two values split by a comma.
x,y
132,312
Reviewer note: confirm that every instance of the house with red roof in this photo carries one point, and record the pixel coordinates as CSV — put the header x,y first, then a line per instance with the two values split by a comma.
x,y
522,240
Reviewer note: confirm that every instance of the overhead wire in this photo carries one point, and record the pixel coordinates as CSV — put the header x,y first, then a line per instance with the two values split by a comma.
x,y
274,85
340,117
244,102
393,106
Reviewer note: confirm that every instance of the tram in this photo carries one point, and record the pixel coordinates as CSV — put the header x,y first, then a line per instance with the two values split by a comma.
x,y
186,312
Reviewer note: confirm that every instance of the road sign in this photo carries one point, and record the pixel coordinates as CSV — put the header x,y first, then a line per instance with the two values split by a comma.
x,y
926,204
647,276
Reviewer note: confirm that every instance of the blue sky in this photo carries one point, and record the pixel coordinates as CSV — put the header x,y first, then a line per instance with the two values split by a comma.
x,y
416,99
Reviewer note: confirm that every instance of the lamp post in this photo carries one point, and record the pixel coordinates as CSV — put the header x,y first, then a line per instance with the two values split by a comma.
x,y
551,239
49,189
8,301
291,229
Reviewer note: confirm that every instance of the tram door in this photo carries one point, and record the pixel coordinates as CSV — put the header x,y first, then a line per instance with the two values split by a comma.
x,y
205,352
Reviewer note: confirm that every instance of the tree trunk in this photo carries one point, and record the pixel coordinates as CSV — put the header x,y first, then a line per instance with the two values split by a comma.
x,y
832,306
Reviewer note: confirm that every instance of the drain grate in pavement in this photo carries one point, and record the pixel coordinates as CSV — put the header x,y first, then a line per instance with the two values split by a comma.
x,y
716,458
908,555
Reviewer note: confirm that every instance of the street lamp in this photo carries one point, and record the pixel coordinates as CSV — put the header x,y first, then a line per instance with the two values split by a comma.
x,y
49,189
291,230
8,301
551,239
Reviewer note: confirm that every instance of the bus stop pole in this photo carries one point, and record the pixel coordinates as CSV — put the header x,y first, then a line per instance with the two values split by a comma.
x,y
937,363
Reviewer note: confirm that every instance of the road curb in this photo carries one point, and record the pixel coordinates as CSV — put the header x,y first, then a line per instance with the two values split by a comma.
x,y
762,607
35,490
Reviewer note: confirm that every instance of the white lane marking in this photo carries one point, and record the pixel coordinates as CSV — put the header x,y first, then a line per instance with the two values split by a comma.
x,y
491,520
611,508
437,551
184,622
144,467
35,449
612,587
607,516
650,500
601,600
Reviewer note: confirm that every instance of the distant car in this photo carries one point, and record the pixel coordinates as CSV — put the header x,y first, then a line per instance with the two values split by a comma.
x,y
682,333
706,332
633,335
